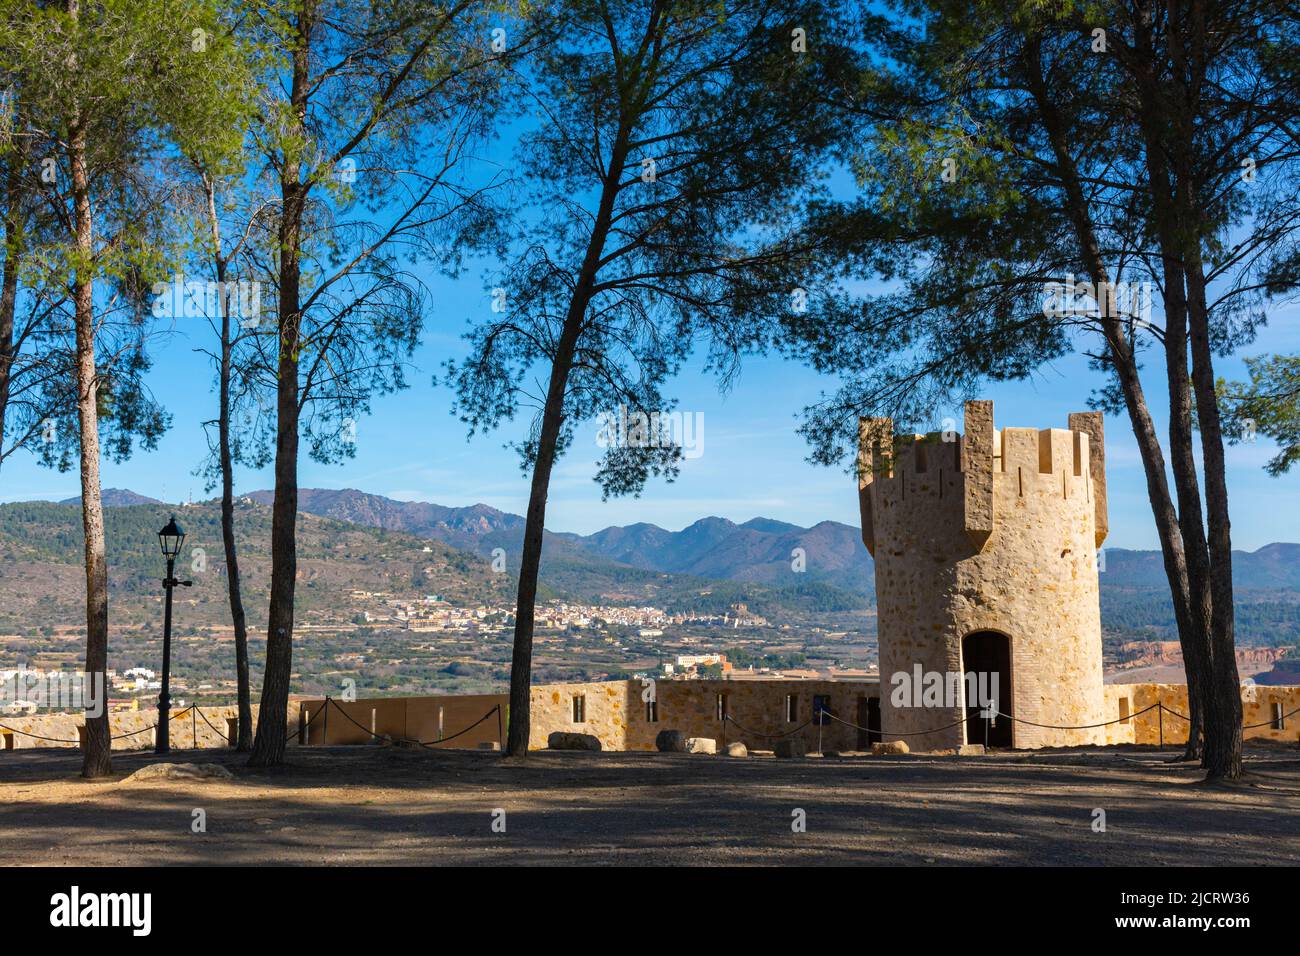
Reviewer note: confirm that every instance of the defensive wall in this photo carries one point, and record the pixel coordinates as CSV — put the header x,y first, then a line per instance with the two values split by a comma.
x,y
619,714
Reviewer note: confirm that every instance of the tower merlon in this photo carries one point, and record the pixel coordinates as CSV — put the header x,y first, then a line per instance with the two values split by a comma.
x,y
977,466
1092,425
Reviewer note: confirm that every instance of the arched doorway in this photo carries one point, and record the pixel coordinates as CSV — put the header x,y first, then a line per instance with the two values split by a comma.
x,y
987,655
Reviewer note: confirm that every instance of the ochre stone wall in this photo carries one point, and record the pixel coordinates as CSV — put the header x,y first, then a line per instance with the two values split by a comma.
x,y
1119,702
616,712
470,720
187,731
1258,709
989,532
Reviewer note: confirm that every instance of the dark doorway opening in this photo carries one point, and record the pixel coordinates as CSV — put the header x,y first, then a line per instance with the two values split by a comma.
x,y
868,718
987,655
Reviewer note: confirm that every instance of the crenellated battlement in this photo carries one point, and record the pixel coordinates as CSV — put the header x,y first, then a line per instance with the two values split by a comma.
x,y
972,477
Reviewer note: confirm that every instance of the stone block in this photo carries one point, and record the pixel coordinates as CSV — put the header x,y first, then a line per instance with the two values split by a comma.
x,y
670,742
701,745
790,747
890,747
560,740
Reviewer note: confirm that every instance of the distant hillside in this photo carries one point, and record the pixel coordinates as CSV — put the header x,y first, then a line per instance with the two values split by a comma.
x,y
759,550
41,581
116,498
462,527
715,562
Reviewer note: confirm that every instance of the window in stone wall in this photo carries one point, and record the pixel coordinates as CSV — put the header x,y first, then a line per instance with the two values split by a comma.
x,y
579,708
1124,717
791,708
1279,719
652,711
821,709
722,707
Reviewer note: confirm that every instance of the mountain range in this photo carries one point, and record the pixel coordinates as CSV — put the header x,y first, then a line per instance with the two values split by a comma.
x,y
715,562
760,550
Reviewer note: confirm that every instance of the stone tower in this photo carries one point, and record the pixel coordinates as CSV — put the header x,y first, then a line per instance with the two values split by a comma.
x,y
985,547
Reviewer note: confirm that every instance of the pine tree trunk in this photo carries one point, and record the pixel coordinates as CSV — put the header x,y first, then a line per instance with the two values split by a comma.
x,y
244,738
13,219
521,661
1196,652
268,748
1223,733
269,744
97,757
1168,529
1223,736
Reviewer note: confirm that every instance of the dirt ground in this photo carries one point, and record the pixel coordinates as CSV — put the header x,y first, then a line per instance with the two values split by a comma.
x,y
370,805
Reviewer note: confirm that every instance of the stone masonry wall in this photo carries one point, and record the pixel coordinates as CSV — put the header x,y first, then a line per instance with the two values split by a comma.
x,y
1258,712
616,712
131,729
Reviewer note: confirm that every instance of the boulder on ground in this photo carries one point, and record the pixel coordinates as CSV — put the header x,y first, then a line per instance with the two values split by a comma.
x,y
737,749
890,747
671,742
562,740
790,747
970,750
495,745
701,745
180,771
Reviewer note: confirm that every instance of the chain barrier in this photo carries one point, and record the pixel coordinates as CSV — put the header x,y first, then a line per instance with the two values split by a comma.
x,y
77,741
1019,720
1117,720
428,745
307,726
432,744
213,729
755,733
915,733
1268,722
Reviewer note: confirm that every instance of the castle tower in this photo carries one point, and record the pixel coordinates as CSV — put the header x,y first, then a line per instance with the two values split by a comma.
x,y
985,547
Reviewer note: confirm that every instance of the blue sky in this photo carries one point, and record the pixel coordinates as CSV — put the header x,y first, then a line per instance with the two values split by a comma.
x,y
753,462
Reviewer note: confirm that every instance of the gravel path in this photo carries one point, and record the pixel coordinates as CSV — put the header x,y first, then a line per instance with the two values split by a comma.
x,y
364,805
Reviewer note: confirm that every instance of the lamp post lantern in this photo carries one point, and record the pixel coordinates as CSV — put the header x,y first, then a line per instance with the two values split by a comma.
x,y
171,537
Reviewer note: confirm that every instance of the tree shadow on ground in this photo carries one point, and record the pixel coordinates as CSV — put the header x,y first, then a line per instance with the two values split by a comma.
x,y
353,805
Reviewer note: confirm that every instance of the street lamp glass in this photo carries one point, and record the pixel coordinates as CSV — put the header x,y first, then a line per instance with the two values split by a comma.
x,y
171,537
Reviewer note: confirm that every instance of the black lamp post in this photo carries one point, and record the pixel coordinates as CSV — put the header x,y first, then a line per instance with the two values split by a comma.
x,y
171,537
